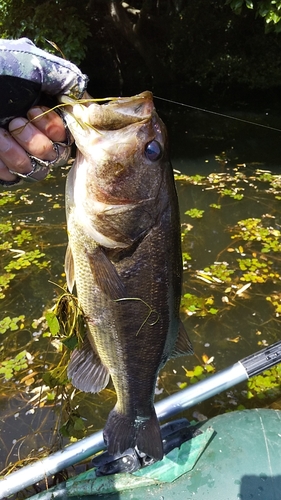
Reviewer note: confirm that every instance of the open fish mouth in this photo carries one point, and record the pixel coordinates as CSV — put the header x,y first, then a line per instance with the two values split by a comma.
x,y
118,113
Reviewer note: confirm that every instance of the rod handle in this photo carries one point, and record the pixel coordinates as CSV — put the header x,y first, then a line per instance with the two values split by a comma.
x,y
262,360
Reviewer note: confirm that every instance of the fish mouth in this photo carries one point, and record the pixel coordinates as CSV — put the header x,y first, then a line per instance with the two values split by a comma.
x,y
122,112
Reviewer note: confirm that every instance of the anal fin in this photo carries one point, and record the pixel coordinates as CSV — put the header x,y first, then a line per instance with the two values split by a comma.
x,y
85,369
183,344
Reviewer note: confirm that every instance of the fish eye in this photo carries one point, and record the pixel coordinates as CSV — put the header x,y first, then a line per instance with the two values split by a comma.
x,y
153,150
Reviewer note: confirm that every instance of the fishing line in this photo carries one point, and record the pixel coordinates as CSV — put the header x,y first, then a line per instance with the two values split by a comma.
x,y
218,114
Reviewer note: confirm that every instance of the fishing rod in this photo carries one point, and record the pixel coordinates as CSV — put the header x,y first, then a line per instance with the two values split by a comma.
x,y
239,372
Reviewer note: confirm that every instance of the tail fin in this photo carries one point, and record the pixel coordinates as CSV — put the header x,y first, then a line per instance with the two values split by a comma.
x,y
149,439
121,433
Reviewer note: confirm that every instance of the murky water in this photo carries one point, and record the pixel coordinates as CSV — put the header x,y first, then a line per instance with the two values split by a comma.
x,y
200,144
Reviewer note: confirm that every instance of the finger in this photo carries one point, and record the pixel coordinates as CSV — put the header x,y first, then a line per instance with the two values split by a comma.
x,y
12,156
48,122
5,174
31,139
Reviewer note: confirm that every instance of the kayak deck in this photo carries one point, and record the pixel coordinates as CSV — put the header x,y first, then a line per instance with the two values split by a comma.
x,y
238,458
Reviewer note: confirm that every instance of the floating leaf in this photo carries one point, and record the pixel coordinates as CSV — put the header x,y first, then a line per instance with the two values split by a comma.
x,y
214,205
235,339
195,213
199,306
9,323
9,367
243,289
53,323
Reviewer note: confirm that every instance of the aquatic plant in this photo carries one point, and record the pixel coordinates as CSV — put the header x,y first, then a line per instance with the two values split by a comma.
x,y
8,323
195,213
14,365
199,306
241,276
266,386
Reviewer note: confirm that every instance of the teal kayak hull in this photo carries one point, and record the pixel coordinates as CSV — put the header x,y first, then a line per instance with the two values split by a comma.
x,y
240,459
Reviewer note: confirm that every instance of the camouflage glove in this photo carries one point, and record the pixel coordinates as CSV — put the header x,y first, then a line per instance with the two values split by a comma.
x,y
26,72
27,76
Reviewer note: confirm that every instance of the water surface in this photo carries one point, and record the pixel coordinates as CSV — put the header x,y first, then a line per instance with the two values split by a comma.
x,y
200,144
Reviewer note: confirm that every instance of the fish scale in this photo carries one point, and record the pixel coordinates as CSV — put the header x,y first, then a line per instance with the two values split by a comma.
x,y
124,255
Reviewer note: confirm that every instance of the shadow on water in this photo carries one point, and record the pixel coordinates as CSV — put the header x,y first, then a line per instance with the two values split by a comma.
x,y
260,488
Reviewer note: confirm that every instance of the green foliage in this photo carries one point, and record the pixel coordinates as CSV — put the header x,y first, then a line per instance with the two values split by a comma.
x,y
269,10
74,426
9,368
237,5
8,323
185,229
195,213
237,50
6,245
69,321
66,324
266,385
275,300
147,39
6,227
186,256
199,306
57,20
52,322
198,373
57,376
196,179
252,257
15,246
25,260
23,236
256,271
254,229
233,193
7,197
5,280
219,272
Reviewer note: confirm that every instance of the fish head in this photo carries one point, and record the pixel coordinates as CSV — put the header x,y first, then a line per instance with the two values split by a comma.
x,y
121,167
123,145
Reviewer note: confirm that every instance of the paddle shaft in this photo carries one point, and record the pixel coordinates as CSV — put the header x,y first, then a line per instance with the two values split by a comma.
x,y
74,453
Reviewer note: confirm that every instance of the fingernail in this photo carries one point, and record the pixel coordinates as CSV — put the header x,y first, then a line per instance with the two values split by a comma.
x,y
5,142
21,129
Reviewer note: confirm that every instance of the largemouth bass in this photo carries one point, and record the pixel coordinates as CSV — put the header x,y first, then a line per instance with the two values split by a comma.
x,y
124,255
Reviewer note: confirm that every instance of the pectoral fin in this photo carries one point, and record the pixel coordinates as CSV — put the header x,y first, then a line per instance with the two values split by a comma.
x,y
183,345
85,369
69,269
105,275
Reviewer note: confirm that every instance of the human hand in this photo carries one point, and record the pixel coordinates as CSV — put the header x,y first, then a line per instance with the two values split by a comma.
x,y
32,145
29,148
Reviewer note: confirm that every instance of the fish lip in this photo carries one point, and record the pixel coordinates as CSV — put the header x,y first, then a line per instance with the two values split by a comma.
x,y
136,109
133,100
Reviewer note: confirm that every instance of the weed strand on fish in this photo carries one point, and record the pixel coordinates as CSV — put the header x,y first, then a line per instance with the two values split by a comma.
x,y
151,311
